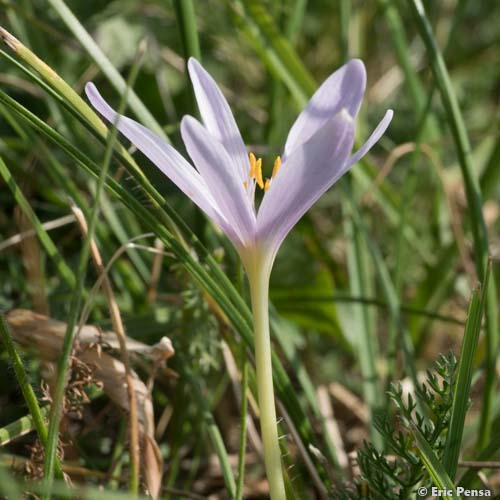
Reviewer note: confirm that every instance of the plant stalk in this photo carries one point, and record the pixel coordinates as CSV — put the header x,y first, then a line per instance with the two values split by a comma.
x,y
258,278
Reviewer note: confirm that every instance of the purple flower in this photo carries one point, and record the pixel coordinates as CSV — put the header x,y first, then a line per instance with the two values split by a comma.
x,y
316,155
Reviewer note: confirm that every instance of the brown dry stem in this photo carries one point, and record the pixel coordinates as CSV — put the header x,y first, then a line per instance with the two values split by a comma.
x,y
46,335
119,329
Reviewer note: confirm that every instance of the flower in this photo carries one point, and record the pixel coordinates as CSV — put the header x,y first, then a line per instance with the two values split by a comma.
x,y
316,155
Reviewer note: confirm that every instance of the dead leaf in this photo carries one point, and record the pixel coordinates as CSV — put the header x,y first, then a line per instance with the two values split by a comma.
x,y
46,335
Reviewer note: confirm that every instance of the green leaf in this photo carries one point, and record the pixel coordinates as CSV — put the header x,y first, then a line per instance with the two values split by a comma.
x,y
474,203
210,277
434,467
106,66
26,389
20,427
464,378
63,269
295,278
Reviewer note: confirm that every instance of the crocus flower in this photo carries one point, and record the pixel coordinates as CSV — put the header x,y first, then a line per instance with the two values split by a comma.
x,y
223,184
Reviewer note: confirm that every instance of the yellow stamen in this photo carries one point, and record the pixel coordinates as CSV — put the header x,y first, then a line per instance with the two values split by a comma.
x,y
258,173
277,165
253,162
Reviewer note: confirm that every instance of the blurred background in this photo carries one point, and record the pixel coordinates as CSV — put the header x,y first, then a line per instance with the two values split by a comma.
x,y
370,288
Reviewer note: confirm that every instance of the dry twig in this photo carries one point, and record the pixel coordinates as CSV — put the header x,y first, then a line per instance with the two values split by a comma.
x,y
46,335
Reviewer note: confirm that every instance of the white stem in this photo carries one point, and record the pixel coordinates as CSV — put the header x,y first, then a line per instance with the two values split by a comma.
x,y
259,289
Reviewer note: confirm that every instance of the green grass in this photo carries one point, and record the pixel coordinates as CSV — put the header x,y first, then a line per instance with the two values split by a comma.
x,y
370,288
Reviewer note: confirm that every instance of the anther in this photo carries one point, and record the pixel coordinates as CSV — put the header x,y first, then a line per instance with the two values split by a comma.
x,y
258,173
277,165
253,163
267,184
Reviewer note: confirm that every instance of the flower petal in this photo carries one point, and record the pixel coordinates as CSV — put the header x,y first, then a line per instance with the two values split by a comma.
x,y
164,156
216,167
372,140
306,174
343,89
218,118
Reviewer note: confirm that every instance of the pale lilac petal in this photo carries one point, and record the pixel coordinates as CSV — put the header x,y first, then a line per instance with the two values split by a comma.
x,y
343,89
165,157
218,118
372,140
215,166
306,174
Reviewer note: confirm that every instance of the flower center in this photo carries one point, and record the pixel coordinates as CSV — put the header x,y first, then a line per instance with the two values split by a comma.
x,y
256,172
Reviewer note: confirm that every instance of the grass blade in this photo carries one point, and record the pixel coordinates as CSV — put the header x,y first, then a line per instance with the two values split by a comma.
x,y
63,269
388,288
215,436
281,46
491,172
243,426
75,305
434,467
474,202
486,454
213,280
106,66
58,88
464,378
186,18
366,348
20,427
402,50
267,53
360,275
29,395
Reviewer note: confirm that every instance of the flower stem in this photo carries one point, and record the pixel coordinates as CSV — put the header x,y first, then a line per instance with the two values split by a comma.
x,y
259,290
